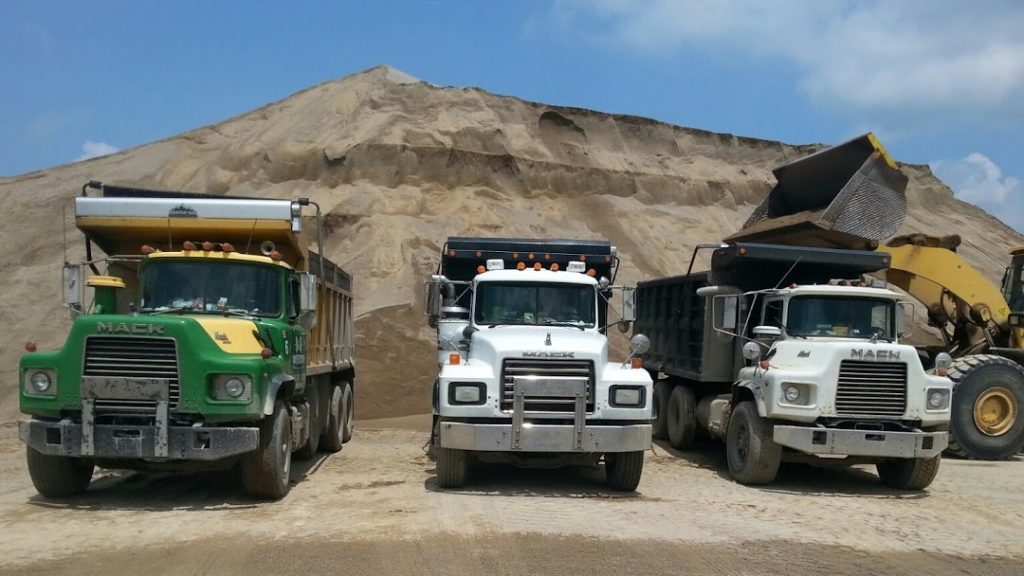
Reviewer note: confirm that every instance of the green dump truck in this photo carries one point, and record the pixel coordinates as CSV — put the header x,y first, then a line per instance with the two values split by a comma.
x,y
207,335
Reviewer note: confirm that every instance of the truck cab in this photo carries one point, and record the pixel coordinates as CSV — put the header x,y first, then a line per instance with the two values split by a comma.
x,y
525,374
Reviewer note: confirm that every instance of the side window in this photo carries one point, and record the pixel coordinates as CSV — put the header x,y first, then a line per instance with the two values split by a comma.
x,y
773,313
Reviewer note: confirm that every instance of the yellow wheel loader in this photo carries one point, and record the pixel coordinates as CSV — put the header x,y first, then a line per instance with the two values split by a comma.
x,y
852,196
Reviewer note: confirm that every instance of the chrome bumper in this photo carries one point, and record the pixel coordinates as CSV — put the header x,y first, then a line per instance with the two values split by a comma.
x,y
66,438
535,437
834,441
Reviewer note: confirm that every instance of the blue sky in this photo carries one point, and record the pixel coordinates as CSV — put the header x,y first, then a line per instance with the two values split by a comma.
x,y
941,82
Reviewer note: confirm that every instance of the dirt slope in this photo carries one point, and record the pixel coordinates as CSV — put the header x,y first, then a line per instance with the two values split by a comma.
x,y
399,165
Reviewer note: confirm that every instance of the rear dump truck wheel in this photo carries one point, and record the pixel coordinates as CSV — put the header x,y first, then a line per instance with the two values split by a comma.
x,y
662,391
349,401
622,470
682,417
265,471
334,434
908,473
987,414
452,466
57,476
753,455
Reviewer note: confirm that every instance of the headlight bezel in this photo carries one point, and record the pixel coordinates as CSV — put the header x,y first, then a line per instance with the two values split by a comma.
x,y
945,395
805,395
614,391
479,387
29,385
219,388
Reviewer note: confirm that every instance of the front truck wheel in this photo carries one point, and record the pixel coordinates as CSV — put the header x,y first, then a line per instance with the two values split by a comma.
x,y
265,471
623,470
986,420
659,427
452,466
908,473
682,417
57,476
752,453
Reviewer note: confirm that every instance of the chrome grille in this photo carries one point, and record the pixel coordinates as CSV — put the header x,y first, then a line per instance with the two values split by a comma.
x,y
871,389
513,367
133,357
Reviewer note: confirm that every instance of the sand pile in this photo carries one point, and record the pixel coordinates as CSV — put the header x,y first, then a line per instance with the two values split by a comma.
x,y
399,165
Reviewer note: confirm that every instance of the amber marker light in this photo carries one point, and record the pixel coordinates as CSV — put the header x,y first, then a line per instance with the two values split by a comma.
x,y
583,258
591,272
521,266
275,256
266,352
764,365
479,253
554,267
454,359
227,247
547,256
188,245
147,249
480,269
537,266
30,346
207,246
515,255
529,256
636,363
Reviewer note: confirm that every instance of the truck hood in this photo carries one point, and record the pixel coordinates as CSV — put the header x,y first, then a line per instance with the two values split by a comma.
x,y
493,344
798,353
231,335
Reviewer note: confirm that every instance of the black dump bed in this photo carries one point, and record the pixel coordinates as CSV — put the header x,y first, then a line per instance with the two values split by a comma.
x,y
464,255
679,322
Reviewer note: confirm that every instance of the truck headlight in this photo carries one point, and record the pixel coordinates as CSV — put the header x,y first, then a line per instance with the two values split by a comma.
x,y
467,393
40,381
938,398
232,387
626,396
795,393
792,393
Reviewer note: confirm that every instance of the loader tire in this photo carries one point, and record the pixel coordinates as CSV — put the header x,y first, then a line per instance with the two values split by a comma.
x,y
753,455
986,419
266,470
622,470
682,417
908,473
662,392
58,476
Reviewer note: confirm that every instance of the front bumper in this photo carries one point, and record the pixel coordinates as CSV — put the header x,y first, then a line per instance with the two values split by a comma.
x,y
535,437
66,438
845,442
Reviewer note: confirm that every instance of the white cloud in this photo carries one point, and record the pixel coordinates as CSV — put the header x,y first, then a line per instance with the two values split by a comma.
x,y
92,149
980,181
885,56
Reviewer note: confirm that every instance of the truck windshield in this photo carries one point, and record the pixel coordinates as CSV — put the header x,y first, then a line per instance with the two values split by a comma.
x,y
212,287
841,316
522,303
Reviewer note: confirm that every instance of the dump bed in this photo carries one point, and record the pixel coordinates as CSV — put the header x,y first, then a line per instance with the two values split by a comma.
x,y
679,322
463,255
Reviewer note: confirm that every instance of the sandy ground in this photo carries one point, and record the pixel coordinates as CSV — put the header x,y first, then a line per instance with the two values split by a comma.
x,y
374,508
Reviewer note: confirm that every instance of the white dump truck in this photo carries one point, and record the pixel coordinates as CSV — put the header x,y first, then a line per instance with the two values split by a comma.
x,y
524,370
813,371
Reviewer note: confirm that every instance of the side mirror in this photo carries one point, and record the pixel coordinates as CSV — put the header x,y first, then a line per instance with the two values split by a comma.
x,y
628,304
752,351
307,301
639,344
905,320
73,289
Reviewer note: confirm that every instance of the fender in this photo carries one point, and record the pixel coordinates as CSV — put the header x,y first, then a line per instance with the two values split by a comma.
x,y
757,390
273,387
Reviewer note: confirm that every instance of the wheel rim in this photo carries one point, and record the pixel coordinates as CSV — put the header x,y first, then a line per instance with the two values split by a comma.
x,y
995,411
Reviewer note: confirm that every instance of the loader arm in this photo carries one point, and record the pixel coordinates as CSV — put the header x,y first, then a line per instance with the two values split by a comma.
x,y
956,294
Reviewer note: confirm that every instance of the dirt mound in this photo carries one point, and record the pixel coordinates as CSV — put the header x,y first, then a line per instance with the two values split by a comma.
x,y
399,165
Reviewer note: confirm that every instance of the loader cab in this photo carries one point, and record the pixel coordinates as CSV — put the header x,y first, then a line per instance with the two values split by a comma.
x,y
1013,281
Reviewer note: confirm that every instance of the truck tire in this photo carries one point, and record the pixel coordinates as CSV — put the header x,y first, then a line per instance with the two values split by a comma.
x,y
986,419
622,470
659,427
265,471
58,476
334,434
753,455
452,466
682,417
316,424
908,473
349,401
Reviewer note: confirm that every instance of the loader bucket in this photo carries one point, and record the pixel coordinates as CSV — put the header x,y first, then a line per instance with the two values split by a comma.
x,y
847,196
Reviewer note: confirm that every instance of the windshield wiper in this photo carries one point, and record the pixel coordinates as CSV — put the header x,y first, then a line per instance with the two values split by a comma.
x,y
242,312
489,326
179,309
567,323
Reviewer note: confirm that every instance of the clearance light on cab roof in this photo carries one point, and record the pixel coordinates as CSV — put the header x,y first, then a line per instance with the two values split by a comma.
x,y
537,266
454,359
554,267
521,266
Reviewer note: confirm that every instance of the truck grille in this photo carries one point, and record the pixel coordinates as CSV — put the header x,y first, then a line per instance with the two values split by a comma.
x,y
871,389
513,367
132,357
